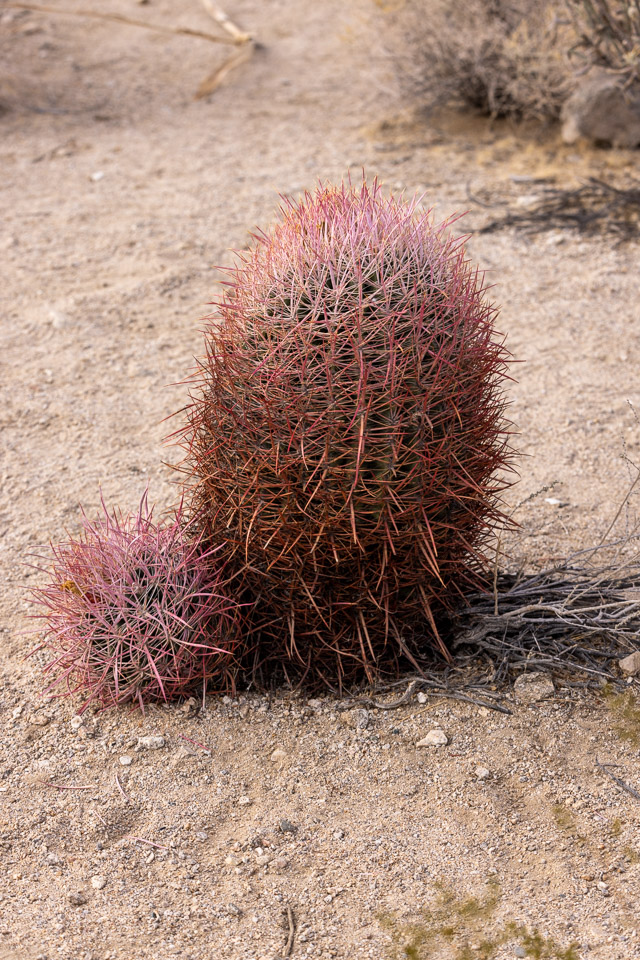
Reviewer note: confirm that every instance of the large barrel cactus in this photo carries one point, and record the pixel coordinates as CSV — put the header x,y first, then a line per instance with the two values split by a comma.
x,y
346,435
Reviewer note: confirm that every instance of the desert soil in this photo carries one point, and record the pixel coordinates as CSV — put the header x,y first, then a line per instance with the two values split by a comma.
x,y
273,826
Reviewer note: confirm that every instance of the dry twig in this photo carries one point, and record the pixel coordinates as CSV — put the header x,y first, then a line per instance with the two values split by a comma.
x,y
291,920
120,18
210,83
435,686
119,785
225,22
150,843
59,786
213,81
195,743
621,783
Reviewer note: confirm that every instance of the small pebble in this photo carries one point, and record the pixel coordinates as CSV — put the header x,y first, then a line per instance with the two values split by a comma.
x,y
190,707
153,742
245,802
533,687
482,773
77,899
76,722
182,753
527,200
57,318
39,719
435,738
356,719
98,175
631,664
555,239
278,755
287,827
98,883
422,697
125,761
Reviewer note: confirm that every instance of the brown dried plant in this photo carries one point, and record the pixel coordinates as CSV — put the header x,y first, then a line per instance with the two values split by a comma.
x,y
608,34
505,58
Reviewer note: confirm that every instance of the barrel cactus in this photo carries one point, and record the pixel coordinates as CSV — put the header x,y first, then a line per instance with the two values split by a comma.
x,y
346,433
136,611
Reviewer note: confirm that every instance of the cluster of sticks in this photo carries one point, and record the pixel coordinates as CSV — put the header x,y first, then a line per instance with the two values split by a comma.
x,y
608,34
234,35
579,617
573,621
595,207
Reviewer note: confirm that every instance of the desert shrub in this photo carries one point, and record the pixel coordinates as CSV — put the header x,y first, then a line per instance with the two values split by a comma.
x,y
608,34
135,611
505,58
345,429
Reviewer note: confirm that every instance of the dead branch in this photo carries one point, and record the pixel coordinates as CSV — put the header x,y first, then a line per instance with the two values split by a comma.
x,y
437,688
291,920
236,36
594,208
213,81
225,22
579,617
621,783
129,21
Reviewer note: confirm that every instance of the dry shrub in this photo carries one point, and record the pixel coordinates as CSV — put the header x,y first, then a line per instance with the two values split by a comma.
x,y
608,34
505,58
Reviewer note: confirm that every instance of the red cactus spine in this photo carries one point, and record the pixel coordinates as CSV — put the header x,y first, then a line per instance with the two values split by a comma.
x,y
346,431
136,611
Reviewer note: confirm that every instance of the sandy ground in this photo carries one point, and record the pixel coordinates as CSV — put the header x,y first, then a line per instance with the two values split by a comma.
x,y
299,830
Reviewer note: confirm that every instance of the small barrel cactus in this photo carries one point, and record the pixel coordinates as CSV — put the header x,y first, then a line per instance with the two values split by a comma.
x,y
135,612
346,432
